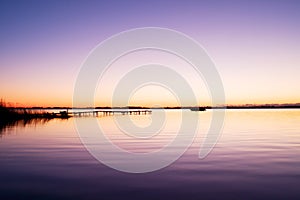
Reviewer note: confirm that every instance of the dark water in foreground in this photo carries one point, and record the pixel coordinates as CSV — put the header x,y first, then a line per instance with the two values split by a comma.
x,y
257,157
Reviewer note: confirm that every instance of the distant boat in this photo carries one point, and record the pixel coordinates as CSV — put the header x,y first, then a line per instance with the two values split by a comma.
x,y
197,109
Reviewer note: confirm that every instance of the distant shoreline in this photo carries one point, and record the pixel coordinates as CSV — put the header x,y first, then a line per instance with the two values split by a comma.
x,y
170,108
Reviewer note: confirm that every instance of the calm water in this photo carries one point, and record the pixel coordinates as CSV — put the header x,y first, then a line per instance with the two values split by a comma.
x,y
256,157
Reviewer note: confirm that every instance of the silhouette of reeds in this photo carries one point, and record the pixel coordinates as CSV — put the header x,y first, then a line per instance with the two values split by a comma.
x,y
16,116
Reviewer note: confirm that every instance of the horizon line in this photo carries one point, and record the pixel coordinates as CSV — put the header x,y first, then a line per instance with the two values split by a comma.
x,y
269,105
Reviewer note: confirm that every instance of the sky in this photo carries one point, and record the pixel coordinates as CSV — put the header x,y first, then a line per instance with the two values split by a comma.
x,y
255,46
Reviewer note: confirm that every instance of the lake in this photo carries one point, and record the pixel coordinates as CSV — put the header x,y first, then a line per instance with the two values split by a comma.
x,y
256,157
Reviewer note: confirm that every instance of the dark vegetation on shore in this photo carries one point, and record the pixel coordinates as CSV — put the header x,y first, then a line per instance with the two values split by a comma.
x,y
12,116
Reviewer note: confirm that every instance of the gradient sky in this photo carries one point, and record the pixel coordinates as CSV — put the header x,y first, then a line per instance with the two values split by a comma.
x,y
254,44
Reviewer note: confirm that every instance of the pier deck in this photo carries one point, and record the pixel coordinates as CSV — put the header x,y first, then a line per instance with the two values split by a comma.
x,y
106,112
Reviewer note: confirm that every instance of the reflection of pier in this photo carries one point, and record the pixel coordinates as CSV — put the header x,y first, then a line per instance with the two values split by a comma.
x,y
108,112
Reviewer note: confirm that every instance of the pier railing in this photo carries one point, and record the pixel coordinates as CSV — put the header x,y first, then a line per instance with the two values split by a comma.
x,y
106,112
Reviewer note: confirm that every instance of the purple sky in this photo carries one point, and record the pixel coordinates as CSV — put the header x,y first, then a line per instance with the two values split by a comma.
x,y
255,44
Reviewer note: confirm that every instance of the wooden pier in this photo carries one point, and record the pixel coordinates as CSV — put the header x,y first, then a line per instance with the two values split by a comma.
x,y
97,113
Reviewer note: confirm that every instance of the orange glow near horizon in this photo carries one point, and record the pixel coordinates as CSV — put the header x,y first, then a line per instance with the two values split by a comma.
x,y
139,100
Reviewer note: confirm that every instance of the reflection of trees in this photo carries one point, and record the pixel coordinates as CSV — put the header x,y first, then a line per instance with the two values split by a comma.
x,y
7,124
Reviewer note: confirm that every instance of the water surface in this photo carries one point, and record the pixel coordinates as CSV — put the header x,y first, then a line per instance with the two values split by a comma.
x,y
256,157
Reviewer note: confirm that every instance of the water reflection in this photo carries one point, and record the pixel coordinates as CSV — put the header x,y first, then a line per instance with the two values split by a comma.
x,y
257,157
5,125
